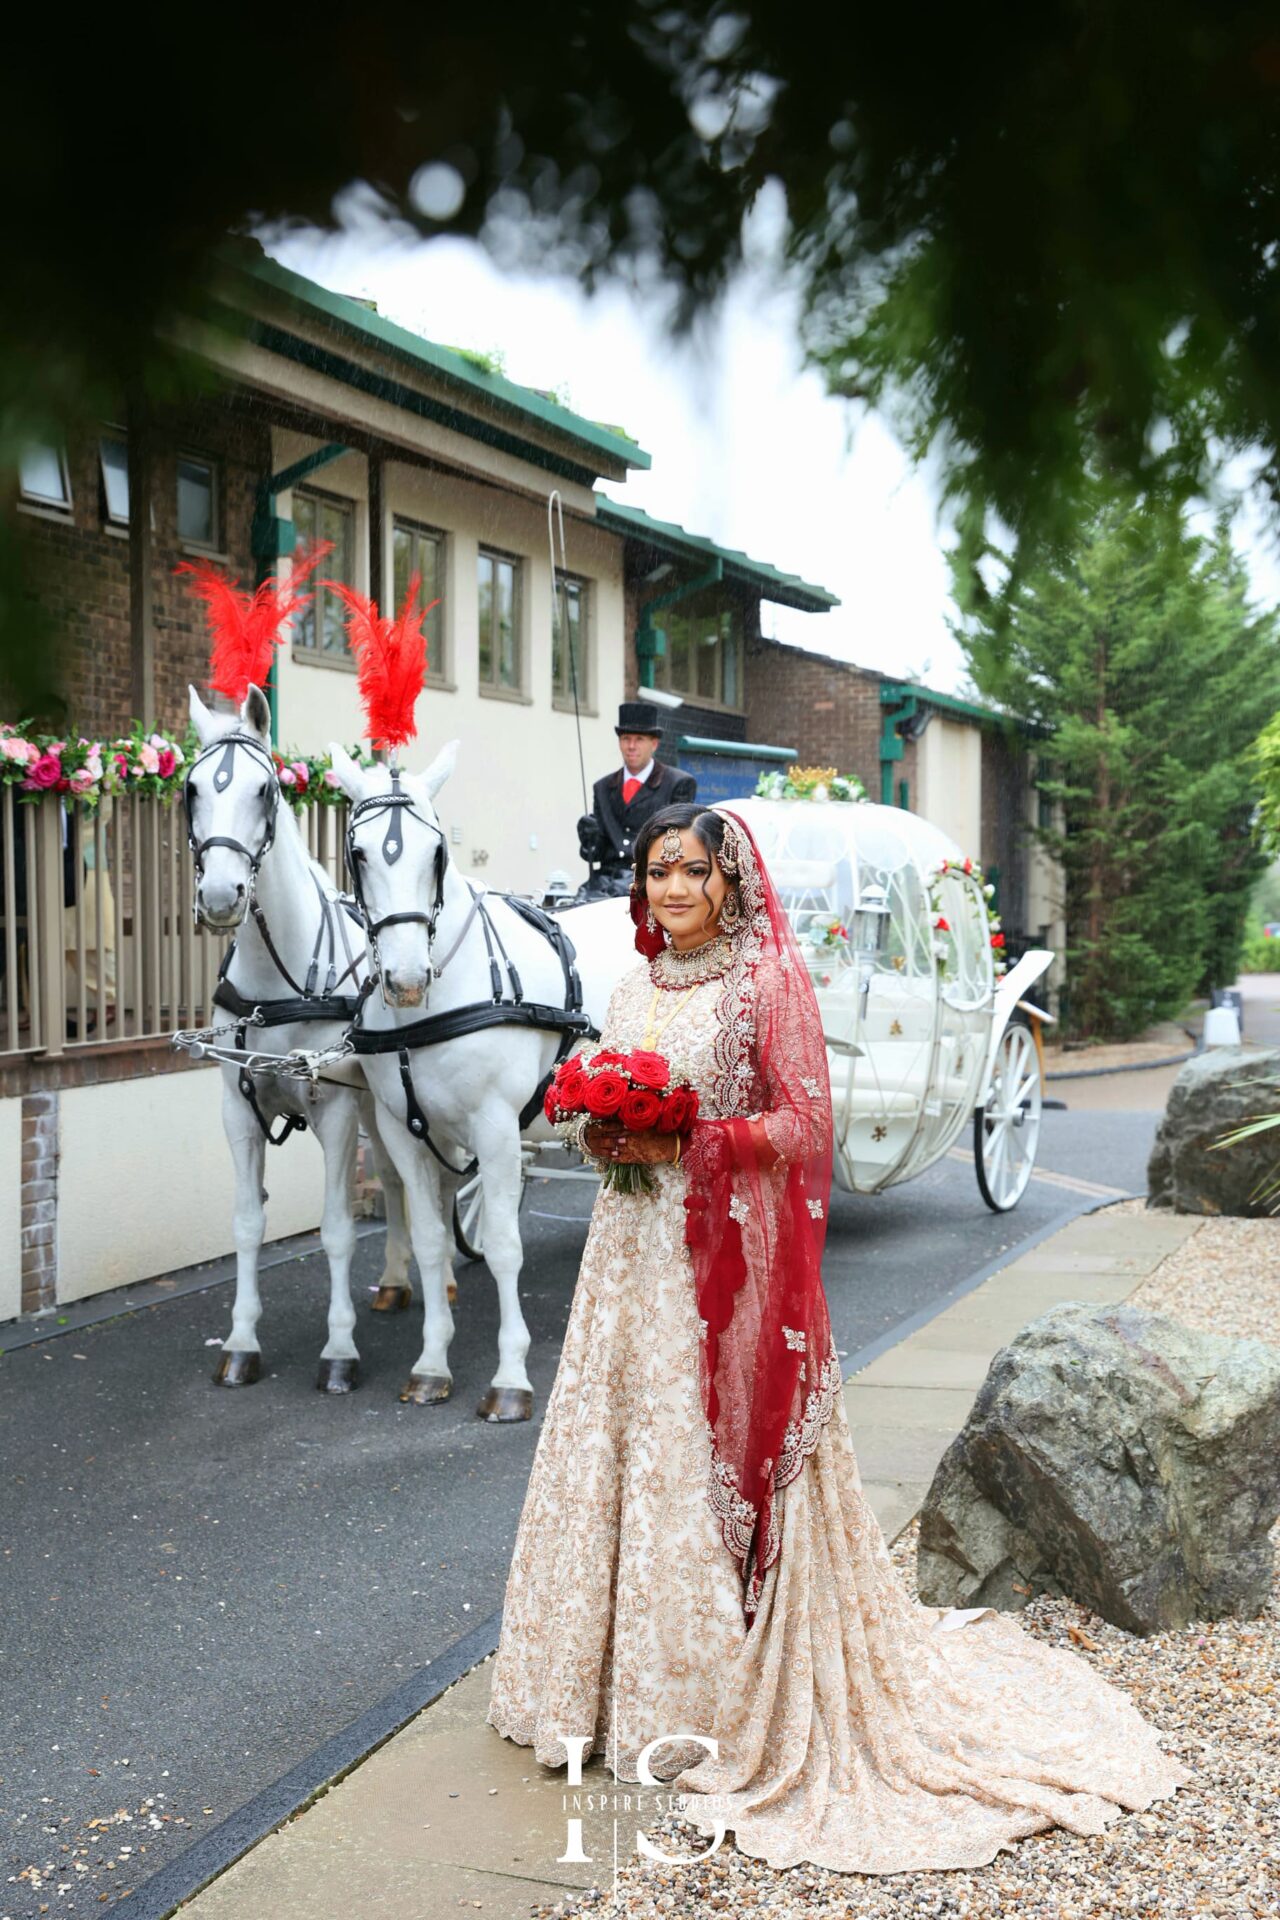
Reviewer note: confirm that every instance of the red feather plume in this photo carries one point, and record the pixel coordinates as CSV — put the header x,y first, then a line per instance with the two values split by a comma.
x,y
391,657
248,627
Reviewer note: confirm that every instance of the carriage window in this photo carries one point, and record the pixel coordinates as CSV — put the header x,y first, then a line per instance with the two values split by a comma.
x,y
322,516
43,478
703,660
420,550
197,501
501,666
569,643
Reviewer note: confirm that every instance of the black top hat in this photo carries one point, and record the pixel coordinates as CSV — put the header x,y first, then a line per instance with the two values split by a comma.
x,y
638,716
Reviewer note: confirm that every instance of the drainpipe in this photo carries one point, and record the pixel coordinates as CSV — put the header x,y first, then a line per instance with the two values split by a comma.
x,y
271,538
897,704
651,641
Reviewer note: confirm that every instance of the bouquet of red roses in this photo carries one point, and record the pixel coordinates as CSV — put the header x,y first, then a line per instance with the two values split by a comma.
x,y
637,1090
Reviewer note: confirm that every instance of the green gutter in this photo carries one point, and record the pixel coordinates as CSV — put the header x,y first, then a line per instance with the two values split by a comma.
x,y
305,353
737,749
966,709
349,318
896,704
664,536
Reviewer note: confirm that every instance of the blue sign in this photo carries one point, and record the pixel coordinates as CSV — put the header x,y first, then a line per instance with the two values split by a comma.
x,y
723,776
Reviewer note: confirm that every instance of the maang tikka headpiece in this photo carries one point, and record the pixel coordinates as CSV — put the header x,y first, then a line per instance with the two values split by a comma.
x,y
672,849
728,854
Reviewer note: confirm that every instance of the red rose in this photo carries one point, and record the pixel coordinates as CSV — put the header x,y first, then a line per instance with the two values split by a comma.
x,y
551,1106
997,939
604,1093
570,1090
609,1059
648,1069
676,1111
44,772
640,1110
168,763
942,924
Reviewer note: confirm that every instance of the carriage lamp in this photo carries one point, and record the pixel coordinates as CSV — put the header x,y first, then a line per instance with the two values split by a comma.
x,y
870,928
870,937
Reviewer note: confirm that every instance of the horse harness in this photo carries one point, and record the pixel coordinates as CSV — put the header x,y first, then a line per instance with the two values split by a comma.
x,y
509,1008
308,1002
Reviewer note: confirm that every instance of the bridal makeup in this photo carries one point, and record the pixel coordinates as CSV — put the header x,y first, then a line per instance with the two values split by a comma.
x,y
685,888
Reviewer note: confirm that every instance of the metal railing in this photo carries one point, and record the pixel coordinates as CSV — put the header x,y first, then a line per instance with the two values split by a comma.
x,y
98,943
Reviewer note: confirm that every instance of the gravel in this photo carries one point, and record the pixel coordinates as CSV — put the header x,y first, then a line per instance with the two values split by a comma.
x,y
1212,1689
1224,1279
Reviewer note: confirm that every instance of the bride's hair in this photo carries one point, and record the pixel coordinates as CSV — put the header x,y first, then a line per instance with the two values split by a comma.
x,y
687,817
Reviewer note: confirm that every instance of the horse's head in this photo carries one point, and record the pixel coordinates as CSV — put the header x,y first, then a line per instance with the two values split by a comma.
x,y
231,796
397,854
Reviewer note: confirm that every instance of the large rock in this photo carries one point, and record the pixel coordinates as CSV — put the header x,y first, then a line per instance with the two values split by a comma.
x,y
1118,1457
1215,1092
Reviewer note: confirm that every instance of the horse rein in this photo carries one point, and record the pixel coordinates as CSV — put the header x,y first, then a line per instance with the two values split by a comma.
x,y
397,805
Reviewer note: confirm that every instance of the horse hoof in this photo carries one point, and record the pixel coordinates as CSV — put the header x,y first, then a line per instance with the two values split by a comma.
x,y
238,1370
338,1376
424,1389
507,1403
389,1299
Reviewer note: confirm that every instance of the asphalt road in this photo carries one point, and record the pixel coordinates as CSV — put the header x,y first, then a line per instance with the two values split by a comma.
x,y
200,1585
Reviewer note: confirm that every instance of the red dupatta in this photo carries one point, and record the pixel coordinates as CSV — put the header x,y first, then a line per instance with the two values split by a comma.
x,y
758,1183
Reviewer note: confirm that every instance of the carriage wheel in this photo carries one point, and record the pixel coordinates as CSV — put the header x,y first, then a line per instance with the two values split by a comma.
x,y
1007,1129
468,1218
468,1215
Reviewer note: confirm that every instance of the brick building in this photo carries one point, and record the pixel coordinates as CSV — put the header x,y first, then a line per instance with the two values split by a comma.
x,y
968,768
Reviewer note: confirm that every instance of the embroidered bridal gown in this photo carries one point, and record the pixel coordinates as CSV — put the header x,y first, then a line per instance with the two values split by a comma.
x,y
856,1729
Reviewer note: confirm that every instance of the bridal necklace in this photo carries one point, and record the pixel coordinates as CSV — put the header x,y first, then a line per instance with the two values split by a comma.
x,y
673,971
655,1028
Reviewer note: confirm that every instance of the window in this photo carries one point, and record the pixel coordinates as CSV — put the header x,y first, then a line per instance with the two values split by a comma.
x,y
420,550
569,660
43,478
114,456
703,660
321,625
197,501
501,667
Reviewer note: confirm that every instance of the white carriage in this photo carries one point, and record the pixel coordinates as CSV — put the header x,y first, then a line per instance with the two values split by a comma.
x,y
926,1040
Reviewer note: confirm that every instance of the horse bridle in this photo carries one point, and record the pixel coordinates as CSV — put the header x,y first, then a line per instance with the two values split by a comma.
x,y
226,747
398,805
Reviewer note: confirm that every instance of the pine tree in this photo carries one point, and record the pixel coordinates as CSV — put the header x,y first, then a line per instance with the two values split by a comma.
x,y
1137,651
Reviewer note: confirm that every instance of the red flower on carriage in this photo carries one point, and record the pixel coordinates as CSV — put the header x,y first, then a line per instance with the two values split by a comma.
x,y
997,939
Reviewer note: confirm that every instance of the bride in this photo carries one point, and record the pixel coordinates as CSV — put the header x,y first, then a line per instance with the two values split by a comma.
x,y
695,1555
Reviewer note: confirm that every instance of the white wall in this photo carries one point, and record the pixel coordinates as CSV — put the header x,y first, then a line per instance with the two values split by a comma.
x,y
10,1209
515,798
145,1182
949,780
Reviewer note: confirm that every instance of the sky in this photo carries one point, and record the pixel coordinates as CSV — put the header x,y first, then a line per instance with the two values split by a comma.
x,y
747,446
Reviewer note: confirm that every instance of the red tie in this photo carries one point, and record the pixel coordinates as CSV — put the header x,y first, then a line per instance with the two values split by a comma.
x,y
630,788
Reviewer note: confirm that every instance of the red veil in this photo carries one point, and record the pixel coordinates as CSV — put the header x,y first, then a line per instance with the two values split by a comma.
x,y
757,1189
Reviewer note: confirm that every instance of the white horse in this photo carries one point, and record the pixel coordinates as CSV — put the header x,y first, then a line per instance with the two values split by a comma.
x,y
254,874
439,944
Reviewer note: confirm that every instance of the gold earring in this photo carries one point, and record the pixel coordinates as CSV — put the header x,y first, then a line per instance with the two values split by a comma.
x,y
650,924
731,911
